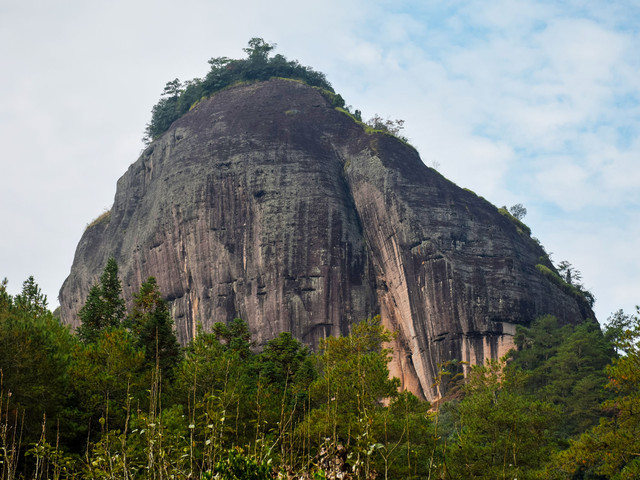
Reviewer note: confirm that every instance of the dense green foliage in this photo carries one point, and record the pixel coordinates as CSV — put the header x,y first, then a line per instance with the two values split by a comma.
x,y
152,328
104,307
611,449
179,97
35,355
501,432
127,402
566,367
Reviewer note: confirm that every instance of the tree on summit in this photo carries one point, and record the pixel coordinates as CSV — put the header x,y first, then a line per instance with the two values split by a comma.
x,y
173,88
105,307
258,49
518,210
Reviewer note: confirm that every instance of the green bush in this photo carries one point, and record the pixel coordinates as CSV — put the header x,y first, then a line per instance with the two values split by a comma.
x,y
239,465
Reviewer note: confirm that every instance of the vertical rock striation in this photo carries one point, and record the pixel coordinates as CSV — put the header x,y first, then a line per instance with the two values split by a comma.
x,y
266,203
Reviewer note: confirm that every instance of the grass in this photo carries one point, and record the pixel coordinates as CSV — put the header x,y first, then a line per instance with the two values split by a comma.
x,y
521,227
557,280
103,218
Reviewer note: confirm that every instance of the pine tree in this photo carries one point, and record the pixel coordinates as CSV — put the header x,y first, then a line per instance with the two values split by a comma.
x,y
112,295
500,431
6,301
31,300
105,307
151,325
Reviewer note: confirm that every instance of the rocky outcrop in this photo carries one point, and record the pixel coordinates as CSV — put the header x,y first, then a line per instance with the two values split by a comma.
x,y
266,203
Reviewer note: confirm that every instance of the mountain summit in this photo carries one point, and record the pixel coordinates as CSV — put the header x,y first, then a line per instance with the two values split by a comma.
x,y
266,202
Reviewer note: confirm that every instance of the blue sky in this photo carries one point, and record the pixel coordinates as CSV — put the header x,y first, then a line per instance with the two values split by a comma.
x,y
521,101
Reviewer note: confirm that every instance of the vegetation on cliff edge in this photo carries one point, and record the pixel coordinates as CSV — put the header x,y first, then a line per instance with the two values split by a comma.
x,y
179,97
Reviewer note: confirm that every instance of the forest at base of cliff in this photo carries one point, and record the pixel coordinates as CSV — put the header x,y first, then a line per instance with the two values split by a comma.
x,y
121,400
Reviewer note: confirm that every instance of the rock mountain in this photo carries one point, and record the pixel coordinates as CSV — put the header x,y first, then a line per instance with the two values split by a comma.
x,y
266,203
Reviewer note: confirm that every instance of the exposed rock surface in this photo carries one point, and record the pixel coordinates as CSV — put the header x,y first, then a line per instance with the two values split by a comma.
x,y
266,203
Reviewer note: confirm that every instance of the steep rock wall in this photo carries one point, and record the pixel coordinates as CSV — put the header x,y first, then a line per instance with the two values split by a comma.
x,y
266,203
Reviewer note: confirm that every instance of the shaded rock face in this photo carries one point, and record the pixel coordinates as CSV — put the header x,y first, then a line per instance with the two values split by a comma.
x,y
266,203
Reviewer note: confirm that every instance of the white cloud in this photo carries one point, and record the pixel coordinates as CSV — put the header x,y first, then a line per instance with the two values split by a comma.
x,y
562,182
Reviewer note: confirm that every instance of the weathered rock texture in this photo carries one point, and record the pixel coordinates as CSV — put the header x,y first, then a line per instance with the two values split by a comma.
x,y
266,203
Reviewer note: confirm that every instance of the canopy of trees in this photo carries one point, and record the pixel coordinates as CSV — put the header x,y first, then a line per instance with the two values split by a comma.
x,y
178,97
126,402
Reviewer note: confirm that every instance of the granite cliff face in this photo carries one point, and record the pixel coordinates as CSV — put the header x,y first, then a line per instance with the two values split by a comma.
x,y
266,203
